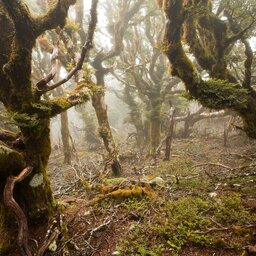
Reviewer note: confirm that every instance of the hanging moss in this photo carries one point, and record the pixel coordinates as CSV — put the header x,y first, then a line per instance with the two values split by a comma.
x,y
25,120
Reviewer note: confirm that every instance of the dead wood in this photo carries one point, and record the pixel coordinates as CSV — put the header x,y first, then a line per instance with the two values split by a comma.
x,y
47,242
234,228
214,164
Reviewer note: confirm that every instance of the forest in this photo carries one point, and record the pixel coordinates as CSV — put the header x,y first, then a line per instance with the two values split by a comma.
x,y
128,127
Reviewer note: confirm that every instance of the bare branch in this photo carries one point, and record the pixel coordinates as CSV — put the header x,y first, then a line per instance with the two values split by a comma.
x,y
54,61
239,35
85,50
121,27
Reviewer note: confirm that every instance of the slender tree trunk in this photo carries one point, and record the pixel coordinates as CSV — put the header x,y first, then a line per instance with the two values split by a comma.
x,y
186,126
105,133
98,102
155,126
140,136
155,134
147,132
65,137
64,125
169,135
138,124
227,129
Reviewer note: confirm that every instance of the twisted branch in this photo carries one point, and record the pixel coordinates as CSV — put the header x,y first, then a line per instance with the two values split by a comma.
x,y
85,50
9,201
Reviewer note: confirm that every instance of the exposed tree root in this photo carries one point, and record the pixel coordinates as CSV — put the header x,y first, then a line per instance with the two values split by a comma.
x,y
9,201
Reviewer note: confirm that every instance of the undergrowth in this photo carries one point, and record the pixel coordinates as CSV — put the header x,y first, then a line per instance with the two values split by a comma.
x,y
173,225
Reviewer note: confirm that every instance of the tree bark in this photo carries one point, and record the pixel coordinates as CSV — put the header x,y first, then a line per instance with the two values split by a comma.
x,y
34,194
223,91
30,113
155,124
65,137
105,133
169,135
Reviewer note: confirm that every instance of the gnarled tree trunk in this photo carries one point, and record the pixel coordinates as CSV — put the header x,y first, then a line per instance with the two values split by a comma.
x,y
34,194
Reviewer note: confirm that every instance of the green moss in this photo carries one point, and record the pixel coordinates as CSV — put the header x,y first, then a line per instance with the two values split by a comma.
x,y
169,230
41,106
10,160
26,120
230,209
115,181
220,94
175,225
71,27
60,102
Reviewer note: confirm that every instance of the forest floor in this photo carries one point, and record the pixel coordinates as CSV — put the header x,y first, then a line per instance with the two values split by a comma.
x,y
201,202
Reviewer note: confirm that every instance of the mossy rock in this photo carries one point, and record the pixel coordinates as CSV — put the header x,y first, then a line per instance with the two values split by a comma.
x,y
10,160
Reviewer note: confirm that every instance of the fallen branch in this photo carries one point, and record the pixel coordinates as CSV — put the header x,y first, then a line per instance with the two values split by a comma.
x,y
47,242
99,228
9,201
214,164
211,230
225,229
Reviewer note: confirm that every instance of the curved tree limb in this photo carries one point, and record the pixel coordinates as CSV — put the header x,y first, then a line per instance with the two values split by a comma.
x,y
85,50
19,14
53,18
54,61
20,216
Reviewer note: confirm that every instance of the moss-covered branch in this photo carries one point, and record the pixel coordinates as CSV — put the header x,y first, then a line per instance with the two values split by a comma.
x,y
215,93
19,13
54,17
220,94
60,104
